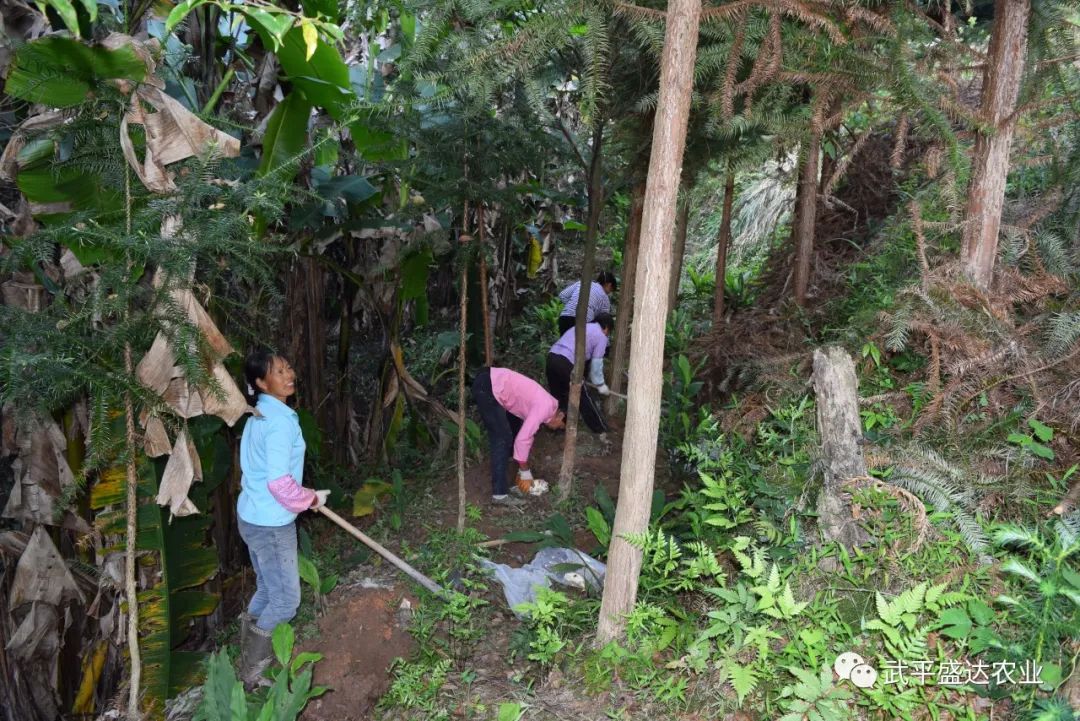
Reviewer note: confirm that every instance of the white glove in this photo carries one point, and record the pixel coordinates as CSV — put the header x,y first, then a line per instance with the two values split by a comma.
x,y
603,390
320,499
525,474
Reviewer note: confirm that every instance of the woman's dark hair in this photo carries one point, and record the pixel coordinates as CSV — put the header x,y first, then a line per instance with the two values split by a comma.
x,y
607,278
256,366
605,321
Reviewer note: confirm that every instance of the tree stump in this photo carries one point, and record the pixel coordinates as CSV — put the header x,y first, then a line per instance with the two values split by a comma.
x,y
837,391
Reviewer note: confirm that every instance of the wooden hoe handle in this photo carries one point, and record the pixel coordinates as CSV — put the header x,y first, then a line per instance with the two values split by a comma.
x,y
382,551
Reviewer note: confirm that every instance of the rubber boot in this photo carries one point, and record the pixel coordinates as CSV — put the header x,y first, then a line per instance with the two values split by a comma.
x,y
246,622
255,656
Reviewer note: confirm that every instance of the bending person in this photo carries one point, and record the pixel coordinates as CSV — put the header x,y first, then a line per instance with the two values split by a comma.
x,y
513,407
560,366
599,300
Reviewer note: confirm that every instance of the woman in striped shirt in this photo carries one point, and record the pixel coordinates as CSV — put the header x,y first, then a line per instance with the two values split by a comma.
x,y
599,300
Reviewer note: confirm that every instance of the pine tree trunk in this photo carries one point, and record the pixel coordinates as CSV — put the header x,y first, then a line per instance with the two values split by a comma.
x,y
650,311
806,214
678,252
723,240
461,396
990,163
836,390
626,295
485,311
596,204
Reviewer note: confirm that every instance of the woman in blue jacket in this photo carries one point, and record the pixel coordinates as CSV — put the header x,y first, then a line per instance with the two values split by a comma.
x,y
271,496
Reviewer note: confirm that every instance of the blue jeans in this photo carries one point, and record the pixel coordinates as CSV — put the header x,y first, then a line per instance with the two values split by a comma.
x,y
277,575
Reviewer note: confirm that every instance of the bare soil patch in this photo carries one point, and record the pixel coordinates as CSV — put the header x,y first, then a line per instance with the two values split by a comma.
x,y
359,638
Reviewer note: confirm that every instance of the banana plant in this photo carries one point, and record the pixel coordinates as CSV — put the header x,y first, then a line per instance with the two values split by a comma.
x,y
178,548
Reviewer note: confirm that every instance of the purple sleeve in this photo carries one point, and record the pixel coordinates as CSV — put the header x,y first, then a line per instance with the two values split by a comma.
x,y
290,494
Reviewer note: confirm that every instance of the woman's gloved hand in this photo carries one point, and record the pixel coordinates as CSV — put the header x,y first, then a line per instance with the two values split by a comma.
x,y
320,499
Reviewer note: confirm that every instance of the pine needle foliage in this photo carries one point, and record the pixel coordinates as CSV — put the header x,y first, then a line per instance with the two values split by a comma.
x,y
73,347
471,51
949,489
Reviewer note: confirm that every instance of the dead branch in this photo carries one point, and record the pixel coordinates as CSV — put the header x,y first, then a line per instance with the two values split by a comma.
x,y
896,158
920,245
845,162
637,12
727,92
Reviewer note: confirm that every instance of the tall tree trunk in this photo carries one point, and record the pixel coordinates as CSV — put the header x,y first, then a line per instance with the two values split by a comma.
x,y
461,402
485,310
596,204
461,373
723,240
647,343
488,348
130,551
341,399
806,210
990,163
626,296
678,252
131,590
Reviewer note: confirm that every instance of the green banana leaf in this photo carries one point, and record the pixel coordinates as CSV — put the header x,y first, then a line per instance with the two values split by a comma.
x,y
286,135
166,610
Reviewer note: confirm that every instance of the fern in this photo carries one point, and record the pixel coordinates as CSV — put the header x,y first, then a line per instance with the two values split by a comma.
x,y
744,679
815,697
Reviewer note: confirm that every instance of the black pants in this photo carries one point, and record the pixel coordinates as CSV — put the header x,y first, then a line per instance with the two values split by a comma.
x,y
558,377
501,426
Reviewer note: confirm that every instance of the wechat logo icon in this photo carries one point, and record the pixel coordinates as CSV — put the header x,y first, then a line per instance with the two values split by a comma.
x,y
853,667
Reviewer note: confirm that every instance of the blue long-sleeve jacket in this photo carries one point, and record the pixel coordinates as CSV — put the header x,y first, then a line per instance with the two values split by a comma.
x,y
272,460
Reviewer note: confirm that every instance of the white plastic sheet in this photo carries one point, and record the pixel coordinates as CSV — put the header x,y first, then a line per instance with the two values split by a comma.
x,y
565,566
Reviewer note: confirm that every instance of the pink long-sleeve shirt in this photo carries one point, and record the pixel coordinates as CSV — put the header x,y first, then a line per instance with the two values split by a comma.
x,y
527,400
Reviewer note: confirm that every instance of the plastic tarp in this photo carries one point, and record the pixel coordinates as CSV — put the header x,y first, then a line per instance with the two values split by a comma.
x,y
565,566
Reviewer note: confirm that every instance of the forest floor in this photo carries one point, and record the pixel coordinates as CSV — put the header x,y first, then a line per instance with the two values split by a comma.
x,y
366,624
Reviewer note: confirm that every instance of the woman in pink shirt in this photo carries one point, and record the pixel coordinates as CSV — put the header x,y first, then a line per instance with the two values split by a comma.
x,y
513,407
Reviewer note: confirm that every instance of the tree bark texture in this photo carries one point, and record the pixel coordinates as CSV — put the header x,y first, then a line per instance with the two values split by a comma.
x,y
678,252
304,344
573,403
723,240
461,404
626,295
990,162
840,429
650,312
461,380
485,310
806,214
131,589
130,550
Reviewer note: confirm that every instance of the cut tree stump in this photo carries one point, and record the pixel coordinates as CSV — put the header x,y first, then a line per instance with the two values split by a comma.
x,y
837,391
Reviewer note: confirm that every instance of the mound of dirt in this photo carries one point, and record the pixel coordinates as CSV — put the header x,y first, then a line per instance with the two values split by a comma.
x,y
359,638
